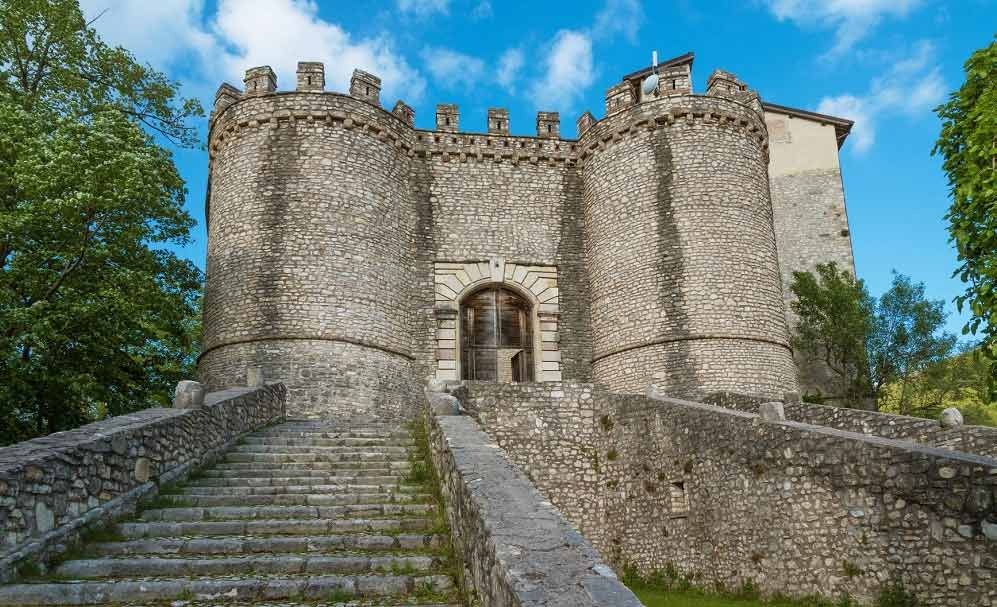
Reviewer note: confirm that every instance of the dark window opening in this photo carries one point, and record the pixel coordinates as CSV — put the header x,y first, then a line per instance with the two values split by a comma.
x,y
368,90
550,129
679,499
496,337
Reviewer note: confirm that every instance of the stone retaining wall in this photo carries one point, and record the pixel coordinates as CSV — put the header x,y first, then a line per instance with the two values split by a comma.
x,y
53,487
518,549
728,499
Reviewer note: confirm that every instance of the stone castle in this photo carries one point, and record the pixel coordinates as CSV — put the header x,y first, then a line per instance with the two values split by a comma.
x,y
559,295
351,255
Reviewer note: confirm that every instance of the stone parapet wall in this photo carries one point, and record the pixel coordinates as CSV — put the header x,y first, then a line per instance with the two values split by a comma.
x,y
675,196
517,548
979,440
52,488
727,498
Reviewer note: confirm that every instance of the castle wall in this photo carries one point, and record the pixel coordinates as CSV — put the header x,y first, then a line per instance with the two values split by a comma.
x,y
310,253
808,205
682,256
727,499
341,240
515,198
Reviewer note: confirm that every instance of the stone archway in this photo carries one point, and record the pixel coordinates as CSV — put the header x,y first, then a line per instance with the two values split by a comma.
x,y
454,282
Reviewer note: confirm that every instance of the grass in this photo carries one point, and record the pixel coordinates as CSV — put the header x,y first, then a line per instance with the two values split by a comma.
x,y
659,597
669,587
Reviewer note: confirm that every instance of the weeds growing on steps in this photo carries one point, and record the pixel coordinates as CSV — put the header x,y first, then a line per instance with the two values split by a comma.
x,y
423,473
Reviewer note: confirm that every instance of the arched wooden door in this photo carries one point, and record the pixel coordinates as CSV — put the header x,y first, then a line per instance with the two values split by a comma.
x,y
496,337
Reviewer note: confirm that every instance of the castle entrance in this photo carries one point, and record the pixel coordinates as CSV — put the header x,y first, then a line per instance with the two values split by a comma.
x,y
496,337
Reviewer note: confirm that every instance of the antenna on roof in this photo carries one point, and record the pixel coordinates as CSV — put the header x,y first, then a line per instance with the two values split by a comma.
x,y
650,84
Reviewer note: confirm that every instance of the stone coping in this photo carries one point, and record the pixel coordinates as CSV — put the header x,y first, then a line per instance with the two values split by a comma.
x,y
518,549
54,487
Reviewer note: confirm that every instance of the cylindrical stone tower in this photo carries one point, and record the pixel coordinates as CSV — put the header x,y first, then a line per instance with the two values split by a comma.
x,y
682,258
310,262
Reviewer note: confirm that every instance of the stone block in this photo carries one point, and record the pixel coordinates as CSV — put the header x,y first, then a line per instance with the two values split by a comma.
x,y
254,377
444,404
142,469
951,418
188,395
772,412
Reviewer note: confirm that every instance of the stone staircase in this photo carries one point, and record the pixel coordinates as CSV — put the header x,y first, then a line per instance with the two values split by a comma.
x,y
302,512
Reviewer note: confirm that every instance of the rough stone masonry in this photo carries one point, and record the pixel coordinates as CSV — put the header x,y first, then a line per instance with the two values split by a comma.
x,y
344,244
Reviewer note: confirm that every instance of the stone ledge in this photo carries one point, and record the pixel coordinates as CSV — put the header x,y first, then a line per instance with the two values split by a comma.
x,y
52,488
518,548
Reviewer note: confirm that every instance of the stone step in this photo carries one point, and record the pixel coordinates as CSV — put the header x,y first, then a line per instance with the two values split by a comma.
x,y
220,513
135,530
401,465
269,545
338,489
271,447
331,444
240,456
257,588
295,499
319,479
243,565
410,602
326,434
396,475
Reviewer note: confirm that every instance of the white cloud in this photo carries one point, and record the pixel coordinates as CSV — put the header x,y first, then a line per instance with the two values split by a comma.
x,y
863,133
912,86
157,32
450,68
569,70
619,17
246,33
510,64
482,10
280,33
424,8
851,20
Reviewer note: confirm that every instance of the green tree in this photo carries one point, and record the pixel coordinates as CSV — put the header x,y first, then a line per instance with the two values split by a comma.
x,y
873,349
906,340
51,57
957,381
97,314
835,320
968,144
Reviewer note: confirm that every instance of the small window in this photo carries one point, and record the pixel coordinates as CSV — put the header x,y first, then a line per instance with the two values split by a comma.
x,y
550,129
447,121
368,90
679,500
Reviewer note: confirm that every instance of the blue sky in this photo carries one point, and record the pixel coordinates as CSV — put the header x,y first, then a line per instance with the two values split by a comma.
x,y
883,63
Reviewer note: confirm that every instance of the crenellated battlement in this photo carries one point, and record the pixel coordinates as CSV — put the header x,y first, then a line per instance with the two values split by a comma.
x,y
674,81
